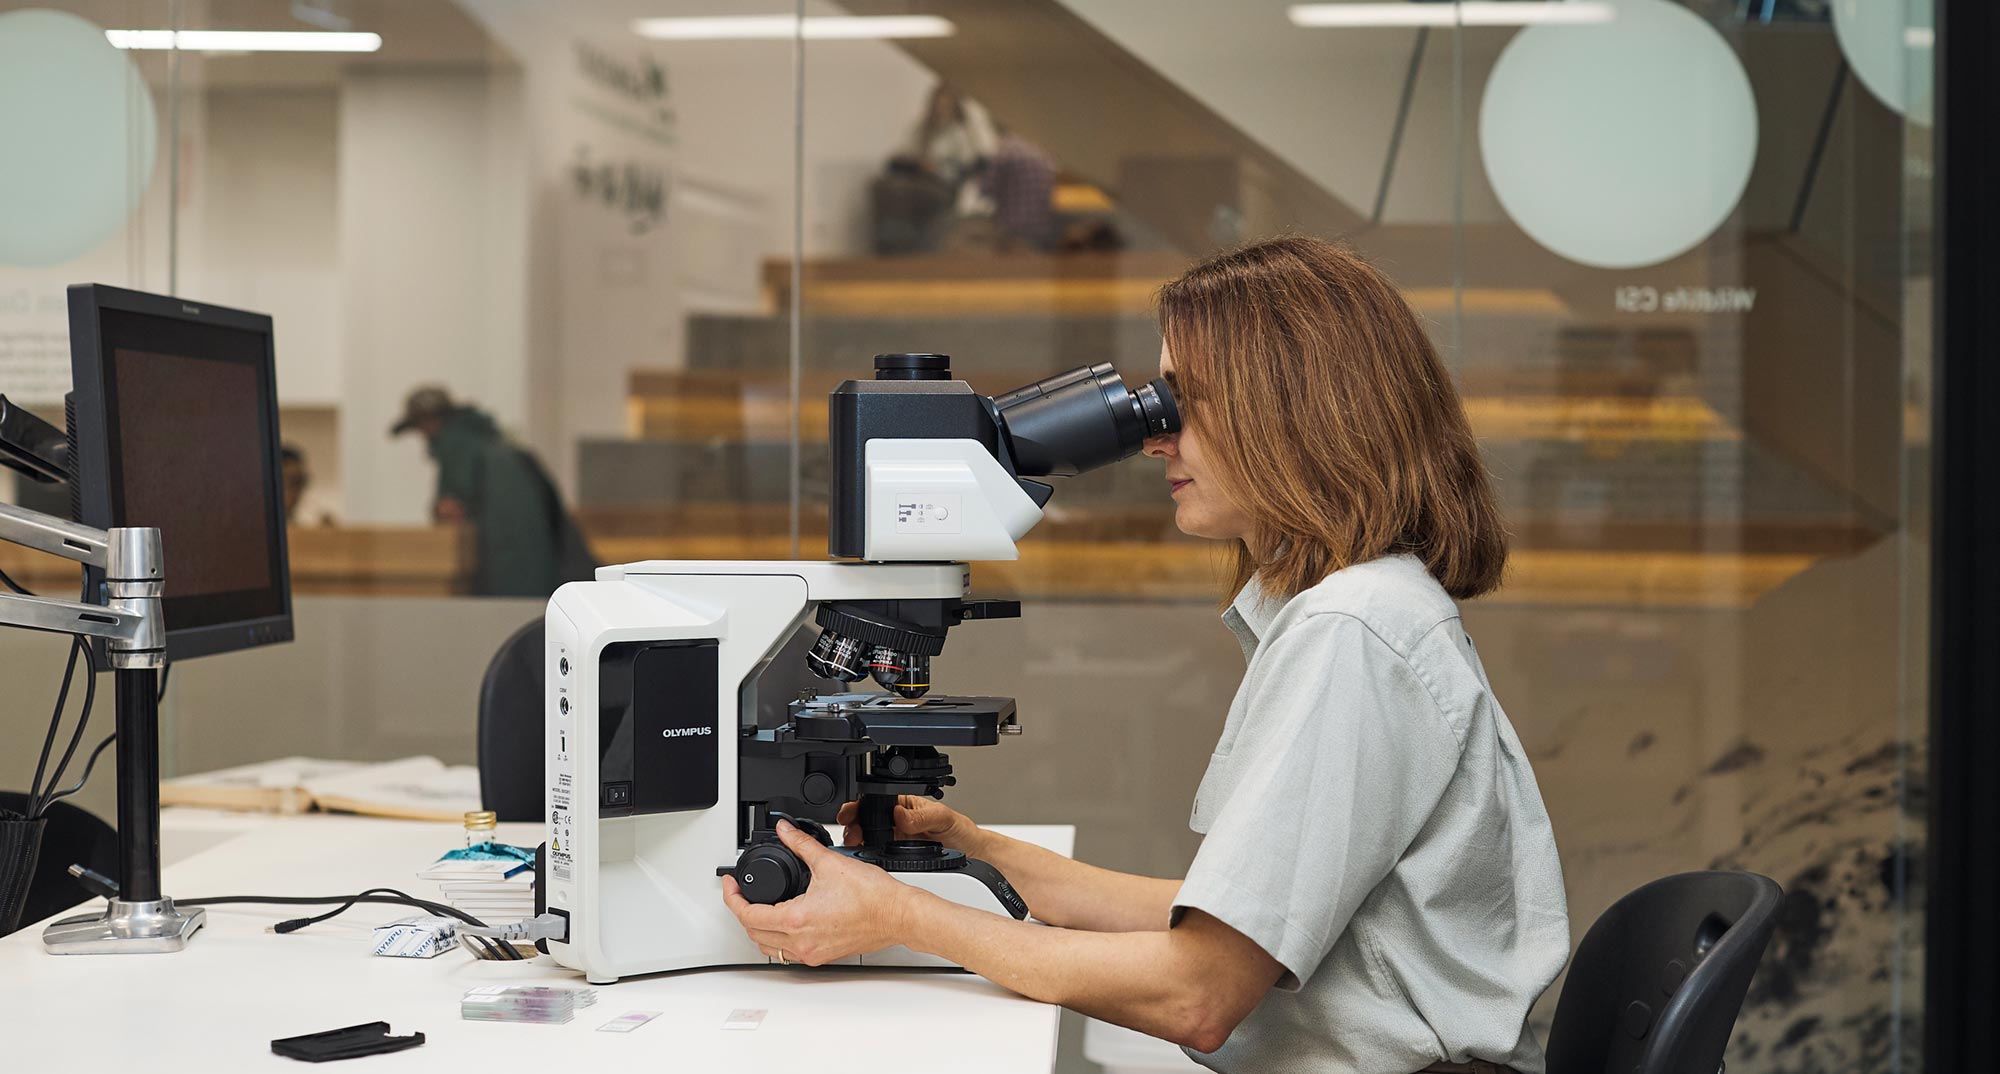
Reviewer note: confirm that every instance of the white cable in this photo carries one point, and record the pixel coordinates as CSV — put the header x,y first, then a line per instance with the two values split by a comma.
x,y
539,927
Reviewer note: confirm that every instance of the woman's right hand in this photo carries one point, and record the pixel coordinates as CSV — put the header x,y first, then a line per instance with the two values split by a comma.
x,y
918,818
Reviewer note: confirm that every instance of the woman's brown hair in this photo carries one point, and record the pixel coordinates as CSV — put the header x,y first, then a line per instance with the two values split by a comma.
x,y
1329,418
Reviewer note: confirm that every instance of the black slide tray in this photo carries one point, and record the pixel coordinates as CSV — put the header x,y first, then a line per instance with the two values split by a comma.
x,y
370,1039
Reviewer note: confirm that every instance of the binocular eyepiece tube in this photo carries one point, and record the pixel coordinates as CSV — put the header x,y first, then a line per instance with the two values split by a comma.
x,y
1077,421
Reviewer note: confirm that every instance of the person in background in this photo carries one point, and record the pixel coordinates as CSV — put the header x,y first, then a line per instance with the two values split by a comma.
x,y
301,509
927,188
1020,181
525,543
954,139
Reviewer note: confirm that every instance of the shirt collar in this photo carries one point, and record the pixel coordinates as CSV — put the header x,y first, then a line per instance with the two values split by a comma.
x,y
1250,615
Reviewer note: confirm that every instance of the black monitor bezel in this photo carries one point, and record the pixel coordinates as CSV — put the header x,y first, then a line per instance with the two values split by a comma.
x,y
91,405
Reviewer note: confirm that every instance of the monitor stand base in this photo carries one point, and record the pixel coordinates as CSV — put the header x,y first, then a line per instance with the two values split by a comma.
x,y
125,928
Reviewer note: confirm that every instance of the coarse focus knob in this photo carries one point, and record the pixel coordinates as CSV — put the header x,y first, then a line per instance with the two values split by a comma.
x,y
807,824
770,873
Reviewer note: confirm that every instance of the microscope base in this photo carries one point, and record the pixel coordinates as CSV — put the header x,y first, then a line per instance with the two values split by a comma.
x,y
125,928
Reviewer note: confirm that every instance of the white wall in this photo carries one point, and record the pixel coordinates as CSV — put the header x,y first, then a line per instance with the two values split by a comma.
x,y
34,310
266,235
433,225
606,297
406,226
1324,100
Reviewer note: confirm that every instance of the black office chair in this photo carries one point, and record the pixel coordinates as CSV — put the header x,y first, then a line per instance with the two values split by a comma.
x,y
74,836
1658,981
510,727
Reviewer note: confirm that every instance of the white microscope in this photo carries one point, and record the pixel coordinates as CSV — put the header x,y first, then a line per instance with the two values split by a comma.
x,y
693,704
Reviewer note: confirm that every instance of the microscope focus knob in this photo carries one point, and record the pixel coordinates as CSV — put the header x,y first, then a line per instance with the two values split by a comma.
x,y
806,824
770,873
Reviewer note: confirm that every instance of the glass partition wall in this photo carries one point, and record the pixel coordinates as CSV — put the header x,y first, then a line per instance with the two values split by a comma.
x,y
1675,253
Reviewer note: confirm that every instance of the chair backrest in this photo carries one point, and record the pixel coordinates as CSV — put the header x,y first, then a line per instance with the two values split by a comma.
x,y
74,836
1658,981
511,727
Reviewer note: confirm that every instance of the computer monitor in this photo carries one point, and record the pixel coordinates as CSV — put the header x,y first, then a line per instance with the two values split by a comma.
x,y
175,412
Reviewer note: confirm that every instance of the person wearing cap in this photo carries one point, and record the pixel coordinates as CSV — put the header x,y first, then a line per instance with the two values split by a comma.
x,y
525,543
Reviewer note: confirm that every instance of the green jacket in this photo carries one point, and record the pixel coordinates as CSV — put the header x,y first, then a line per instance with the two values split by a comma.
x,y
526,544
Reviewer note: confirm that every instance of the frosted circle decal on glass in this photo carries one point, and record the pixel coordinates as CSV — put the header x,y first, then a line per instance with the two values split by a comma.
x,y
78,134
1889,50
1619,144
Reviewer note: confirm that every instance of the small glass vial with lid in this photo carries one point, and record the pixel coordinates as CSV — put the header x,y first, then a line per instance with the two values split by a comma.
x,y
479,825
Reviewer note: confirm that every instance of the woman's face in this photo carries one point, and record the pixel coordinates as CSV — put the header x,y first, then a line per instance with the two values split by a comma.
x,y
1200,507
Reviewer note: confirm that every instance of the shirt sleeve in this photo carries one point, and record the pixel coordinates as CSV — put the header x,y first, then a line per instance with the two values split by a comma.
x,y
1348,755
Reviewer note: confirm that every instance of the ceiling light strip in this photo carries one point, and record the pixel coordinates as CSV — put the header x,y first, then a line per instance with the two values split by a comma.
x,y
783,27
1467,13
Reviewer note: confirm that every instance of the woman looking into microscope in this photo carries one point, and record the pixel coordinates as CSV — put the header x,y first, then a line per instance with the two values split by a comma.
x,y
1377,888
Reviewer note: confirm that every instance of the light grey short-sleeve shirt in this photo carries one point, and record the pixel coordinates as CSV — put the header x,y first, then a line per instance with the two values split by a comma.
x,y
1371,821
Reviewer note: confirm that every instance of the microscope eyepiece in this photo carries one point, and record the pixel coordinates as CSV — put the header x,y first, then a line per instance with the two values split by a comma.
x,y
1158,408
1080,420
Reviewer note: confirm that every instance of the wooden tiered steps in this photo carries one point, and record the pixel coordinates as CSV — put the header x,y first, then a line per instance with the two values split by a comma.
x,y
1627,478
955,285
413,561
702,404
1137,554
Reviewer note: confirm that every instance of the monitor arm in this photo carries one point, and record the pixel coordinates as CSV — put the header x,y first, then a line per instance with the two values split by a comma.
x,y
129,620
132,624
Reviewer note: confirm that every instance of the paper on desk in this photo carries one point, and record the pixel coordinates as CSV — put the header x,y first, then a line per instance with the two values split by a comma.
x,y
415,788
420,936
267,786
479,871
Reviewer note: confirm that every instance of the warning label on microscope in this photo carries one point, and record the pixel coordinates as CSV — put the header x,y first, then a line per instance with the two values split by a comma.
x,y
561,825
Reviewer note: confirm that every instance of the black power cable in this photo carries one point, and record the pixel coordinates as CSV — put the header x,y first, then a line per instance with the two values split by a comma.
x,y
82,722
38,792
55,724
88,765
13,585
506,951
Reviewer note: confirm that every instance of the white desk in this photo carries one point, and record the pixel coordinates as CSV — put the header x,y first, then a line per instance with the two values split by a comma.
x,y
217,1005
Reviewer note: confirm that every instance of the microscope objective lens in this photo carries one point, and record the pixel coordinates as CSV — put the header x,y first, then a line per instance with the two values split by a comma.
x,y
835,656
908,674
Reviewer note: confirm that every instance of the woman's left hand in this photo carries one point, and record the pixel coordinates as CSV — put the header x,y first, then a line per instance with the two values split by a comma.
x,y
849,908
